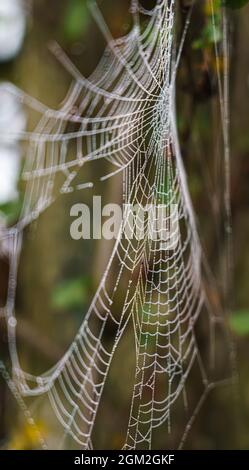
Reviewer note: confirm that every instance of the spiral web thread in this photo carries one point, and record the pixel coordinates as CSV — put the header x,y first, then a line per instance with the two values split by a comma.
x,y
124,113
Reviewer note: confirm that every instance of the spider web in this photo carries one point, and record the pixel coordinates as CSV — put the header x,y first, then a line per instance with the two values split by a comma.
x,y
123,114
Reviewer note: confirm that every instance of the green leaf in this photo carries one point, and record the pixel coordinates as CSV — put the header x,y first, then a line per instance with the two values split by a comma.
x,y
234,4
76,19
70,295
239,322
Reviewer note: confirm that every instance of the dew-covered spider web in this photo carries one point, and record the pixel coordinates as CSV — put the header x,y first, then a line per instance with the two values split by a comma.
x,y
124,115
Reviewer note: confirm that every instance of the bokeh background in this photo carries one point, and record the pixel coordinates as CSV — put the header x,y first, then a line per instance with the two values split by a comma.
x,y
58,277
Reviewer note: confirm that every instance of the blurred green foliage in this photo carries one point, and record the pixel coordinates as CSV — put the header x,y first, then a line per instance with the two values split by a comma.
x,y
212,31
234,3
211,34
76,19
11,211
239,322
71,294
